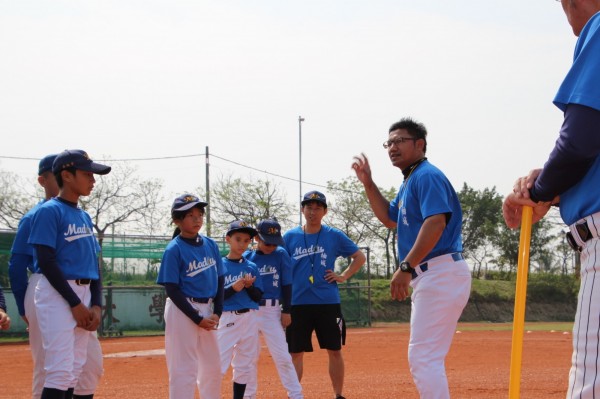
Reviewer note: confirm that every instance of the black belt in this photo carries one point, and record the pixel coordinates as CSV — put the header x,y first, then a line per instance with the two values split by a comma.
x,y
423,266
272,302
584,233
83,281
242,311
200,300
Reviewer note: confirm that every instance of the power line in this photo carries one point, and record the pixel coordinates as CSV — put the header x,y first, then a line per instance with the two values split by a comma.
x,y
264,171
191,156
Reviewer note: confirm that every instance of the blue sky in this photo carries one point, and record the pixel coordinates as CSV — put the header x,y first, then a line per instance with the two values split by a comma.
x,y
150,79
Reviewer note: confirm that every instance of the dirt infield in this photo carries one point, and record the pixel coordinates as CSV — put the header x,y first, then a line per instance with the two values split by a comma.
x,y
376,367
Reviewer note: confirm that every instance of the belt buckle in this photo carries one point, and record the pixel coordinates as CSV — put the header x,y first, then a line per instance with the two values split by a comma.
x,y
584,231
83,281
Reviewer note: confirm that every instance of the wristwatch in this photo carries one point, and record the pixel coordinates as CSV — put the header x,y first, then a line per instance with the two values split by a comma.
x,y
405,267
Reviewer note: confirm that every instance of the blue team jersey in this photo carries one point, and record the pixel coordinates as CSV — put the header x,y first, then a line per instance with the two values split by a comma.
x,y
275,270
425,193
70,232
194,269
312,255
582,86
235,271
21,259
20,245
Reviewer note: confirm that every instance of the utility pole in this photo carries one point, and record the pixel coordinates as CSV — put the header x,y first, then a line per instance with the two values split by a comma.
x,y
300,120
207,193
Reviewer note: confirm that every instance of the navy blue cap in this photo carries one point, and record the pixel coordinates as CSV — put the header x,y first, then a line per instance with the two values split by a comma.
x,y
269,231
45,164
79,160
314,196
185,202
239,226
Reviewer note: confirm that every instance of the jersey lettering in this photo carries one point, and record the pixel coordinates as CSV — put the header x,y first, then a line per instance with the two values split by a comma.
x,y
75,233
195,267
300,252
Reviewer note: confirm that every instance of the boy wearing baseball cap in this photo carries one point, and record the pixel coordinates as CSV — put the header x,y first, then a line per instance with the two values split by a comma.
x,y
314,247
22,261
192,273
238,328
275,267
68,297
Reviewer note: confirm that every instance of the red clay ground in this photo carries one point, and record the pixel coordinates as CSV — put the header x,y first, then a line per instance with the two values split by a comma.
x,y
376,367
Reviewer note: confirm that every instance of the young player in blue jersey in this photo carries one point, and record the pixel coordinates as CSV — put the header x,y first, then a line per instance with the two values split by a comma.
x,y
21,262
68,297
238,328
275,267
314,247
4,319
192,273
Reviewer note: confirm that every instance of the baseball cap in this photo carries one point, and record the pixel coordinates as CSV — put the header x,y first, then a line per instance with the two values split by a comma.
x,y
314,196
270,232
79,160
242,227
185,202
45,164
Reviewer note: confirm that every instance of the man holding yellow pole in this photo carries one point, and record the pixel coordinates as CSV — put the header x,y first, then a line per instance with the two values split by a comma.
x,y
571,179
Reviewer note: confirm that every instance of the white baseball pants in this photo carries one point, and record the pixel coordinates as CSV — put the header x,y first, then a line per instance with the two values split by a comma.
x,y
192,354
438,299
238,342
585,361
64,344
93,367
269,324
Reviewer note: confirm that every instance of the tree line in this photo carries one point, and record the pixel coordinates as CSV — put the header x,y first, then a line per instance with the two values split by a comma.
x,y
124,202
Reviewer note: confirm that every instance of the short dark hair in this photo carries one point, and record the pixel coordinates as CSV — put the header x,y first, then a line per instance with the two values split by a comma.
x,y
58,176
414,128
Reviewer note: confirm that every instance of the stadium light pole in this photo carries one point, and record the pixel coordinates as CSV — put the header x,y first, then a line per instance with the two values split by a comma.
x,y
300,120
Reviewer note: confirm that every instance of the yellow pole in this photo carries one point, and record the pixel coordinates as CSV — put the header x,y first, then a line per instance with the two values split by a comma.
x,y
520,298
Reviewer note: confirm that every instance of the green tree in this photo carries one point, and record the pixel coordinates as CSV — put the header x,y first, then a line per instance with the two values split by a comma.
x,y
482,216
16,198
507,243
350,212
121,198
234,198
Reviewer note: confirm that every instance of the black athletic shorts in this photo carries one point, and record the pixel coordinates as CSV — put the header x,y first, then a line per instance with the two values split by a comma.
x,y
325,320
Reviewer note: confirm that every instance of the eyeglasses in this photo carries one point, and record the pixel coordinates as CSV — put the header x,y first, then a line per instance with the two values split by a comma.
x,y
398,140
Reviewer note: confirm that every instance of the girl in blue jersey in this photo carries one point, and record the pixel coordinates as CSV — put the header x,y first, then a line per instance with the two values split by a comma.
x,y
192,273
238,330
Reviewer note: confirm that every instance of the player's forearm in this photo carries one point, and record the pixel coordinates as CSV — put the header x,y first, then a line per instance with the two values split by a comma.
x,y
96,291
286,297
49,268
219,297
254,293
379,204
428,236
358,260
574,153
179,299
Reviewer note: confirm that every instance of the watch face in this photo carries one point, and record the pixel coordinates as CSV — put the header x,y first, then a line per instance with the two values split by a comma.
x,y
405,267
